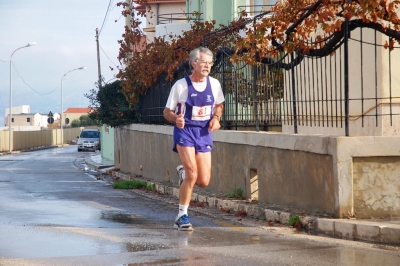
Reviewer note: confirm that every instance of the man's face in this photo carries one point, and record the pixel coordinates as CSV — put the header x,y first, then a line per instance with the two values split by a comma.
x,y
202,66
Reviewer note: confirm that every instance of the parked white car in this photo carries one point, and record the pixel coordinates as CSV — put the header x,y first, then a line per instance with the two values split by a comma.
x,y
89,139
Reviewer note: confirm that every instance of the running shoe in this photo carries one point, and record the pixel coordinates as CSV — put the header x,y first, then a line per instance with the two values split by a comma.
x,y
182,223
181,173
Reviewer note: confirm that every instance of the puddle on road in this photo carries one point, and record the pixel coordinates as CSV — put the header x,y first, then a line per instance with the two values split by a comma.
x,y
135,247
126,218
164,262
23,242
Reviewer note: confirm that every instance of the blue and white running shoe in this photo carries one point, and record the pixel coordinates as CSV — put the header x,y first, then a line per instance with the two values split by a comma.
x,y
182,223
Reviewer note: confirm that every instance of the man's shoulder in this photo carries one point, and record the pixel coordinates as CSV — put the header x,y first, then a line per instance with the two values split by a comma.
x,y
181,82
214,81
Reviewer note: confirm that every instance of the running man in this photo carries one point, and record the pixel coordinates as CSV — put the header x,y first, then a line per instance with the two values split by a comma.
x,y
195,107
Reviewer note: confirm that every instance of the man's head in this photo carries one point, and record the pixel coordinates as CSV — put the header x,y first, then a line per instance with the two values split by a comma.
x,y
201,61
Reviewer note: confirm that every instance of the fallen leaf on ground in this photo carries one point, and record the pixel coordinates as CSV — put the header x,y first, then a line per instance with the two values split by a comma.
x,y
224,210
241,214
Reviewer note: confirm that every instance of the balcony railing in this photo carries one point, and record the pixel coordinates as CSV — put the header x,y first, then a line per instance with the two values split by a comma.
x,y
178,17
159,1
254,10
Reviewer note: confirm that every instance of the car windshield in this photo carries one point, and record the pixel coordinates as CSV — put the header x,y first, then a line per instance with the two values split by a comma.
x,y
90,134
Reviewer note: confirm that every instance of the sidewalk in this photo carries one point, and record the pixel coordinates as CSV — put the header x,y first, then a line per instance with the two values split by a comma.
x,y
378,231
97,162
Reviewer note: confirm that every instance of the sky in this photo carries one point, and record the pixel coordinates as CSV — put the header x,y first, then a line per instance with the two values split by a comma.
x,y
65,35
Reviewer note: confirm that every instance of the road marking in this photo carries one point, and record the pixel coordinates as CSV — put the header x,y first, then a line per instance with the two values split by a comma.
x,y
236,227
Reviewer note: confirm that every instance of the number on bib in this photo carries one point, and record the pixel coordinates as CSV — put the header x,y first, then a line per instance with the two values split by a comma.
x,y
201,113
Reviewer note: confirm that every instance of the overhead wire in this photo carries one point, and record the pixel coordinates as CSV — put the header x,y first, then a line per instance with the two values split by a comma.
x,y
107,56
23,80
106,16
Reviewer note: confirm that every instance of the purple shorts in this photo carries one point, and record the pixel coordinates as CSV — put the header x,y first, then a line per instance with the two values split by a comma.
x,y
197,137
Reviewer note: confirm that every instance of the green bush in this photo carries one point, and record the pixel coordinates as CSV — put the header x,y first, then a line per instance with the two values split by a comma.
x,y
293,220
235,194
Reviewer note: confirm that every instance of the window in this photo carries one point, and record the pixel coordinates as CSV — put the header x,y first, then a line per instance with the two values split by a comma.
x,y
12,120
28,120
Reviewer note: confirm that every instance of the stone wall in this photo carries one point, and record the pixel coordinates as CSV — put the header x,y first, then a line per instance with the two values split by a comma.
x,y
339,176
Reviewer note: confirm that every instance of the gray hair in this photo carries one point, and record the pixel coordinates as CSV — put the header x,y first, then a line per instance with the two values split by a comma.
x,y
195,54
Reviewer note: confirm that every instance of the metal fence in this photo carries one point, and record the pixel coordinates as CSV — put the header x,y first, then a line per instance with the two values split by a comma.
x,y
352,84
354,88
253,95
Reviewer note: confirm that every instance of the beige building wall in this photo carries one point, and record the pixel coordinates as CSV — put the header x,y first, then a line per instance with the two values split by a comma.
x,y
72,117
22,120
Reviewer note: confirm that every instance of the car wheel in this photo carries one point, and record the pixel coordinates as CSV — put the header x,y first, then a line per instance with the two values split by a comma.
x,y
79,150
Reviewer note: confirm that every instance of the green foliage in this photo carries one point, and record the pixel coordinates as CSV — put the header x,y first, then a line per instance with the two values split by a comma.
x,y
75,123
109,106
84,120
131,184
235,194
293,220
151,187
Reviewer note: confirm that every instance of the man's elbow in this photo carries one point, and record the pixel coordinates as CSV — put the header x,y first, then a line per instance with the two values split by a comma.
x,y
166,112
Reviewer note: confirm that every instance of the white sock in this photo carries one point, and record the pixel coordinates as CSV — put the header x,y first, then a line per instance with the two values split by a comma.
x,y
182,210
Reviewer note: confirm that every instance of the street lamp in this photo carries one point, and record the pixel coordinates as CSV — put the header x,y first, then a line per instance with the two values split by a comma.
x,y
61,117
10,111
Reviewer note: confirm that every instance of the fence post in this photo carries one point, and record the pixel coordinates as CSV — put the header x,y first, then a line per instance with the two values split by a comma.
x,y
255,101
223,86
346,75
294,96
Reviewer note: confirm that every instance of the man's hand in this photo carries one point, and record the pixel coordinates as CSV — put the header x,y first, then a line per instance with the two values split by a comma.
x,y
214,124
180,121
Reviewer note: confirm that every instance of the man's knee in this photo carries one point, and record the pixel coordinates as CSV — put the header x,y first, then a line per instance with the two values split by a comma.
x,y
202,183
191,175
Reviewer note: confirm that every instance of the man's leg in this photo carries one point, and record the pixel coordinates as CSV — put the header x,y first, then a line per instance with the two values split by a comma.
x,y
197,171
203,161
188,159
187,156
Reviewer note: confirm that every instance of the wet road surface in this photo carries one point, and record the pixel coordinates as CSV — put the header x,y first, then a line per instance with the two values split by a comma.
x,y
52,212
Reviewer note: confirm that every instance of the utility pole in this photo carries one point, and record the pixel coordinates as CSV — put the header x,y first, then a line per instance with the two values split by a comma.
x,y
128,23
98,56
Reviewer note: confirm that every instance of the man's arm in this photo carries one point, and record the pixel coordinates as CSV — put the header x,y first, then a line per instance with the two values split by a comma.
x,y
173,118
215,120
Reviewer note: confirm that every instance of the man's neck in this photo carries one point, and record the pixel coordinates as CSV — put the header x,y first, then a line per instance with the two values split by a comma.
x,y
197,78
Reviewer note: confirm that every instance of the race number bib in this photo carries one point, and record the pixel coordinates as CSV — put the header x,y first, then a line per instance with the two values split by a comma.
x,y
201,113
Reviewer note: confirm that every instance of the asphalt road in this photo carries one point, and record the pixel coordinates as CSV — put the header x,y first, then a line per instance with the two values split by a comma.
x,y
53,212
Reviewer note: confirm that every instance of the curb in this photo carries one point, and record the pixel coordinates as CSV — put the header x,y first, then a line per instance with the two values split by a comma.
x,y
348,229
95,165
29,149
